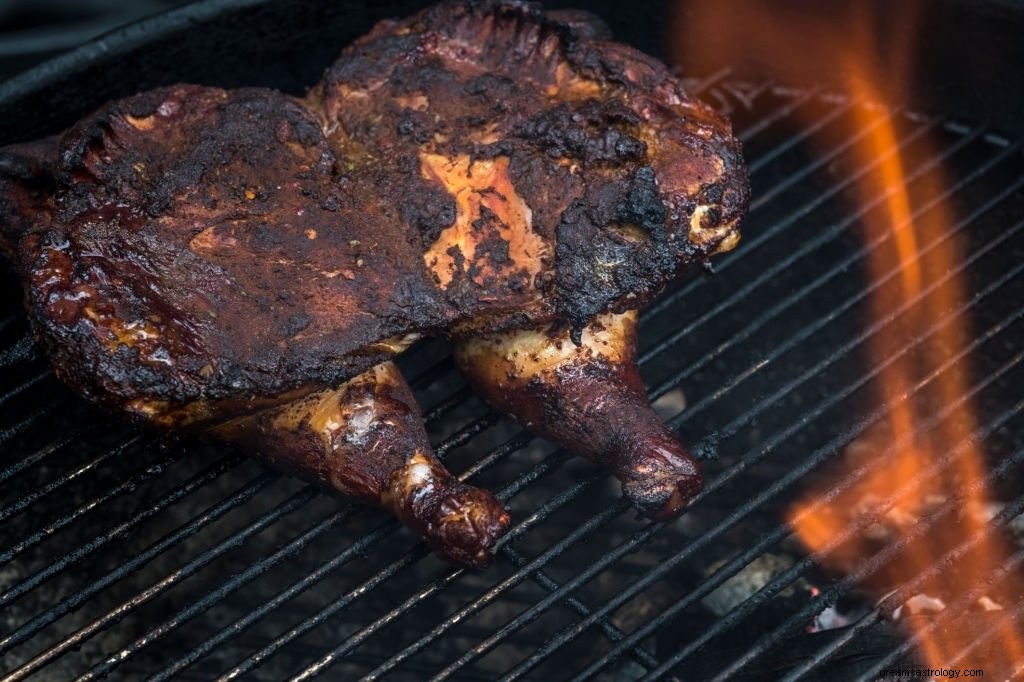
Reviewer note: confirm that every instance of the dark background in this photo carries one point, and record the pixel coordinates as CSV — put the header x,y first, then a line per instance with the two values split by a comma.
x,y
969,53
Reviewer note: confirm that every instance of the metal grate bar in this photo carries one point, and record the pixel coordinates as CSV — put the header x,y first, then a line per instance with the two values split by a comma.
x,y
25,385
516,442
96,543
467,433
505,549
772,232
519,576
877,560
294,502
12,431
317,575
848,582
707,82
848,635
517,530
808,169
534,612
992,247
41,453
791,477
733,426
1010,620
952,609
417,552
802,135
822,238
307,581
383,531
62,480
22,350
782,112
808,330
956,607
47,531
1006,621
448,404
737,423
781,531
837,442
523,568
434,373
781,581
640,654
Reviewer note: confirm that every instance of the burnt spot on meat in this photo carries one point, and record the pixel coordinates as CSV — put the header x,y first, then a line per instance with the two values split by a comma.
x,y
244,263
613,247
477,167
642,205
429,210
593,132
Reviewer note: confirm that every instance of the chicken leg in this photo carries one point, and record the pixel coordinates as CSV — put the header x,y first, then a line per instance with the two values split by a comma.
x,y
242,262
366,440
589,399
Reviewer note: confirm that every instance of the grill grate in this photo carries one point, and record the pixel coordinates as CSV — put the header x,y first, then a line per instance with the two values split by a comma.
x,y
127,554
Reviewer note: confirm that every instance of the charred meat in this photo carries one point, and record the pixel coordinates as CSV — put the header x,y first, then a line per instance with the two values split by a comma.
x,y
244,263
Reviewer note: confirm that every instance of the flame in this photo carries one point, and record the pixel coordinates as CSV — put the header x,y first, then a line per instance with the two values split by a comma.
x,y
910,266
898,479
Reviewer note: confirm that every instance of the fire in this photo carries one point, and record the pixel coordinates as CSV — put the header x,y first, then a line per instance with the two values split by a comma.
x,y
908,452
910,268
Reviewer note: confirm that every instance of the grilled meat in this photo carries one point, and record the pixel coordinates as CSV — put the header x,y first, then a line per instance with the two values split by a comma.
x,y
244,263
589,398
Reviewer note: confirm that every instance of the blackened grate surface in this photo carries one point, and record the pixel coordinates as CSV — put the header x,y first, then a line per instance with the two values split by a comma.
x,y
122,554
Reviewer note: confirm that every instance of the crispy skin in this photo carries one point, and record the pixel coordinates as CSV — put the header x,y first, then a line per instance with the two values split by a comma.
x,y
366,440
202,250
625,178
244,263
473,168
588,398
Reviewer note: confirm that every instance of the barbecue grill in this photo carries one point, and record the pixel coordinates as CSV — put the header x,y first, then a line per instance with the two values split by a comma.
x,y
129,554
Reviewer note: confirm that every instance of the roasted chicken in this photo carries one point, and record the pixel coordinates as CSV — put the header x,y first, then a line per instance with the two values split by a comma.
x,y
243,263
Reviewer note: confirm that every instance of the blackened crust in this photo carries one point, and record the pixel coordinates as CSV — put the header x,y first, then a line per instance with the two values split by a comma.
x,y
478,167
207,247
628,178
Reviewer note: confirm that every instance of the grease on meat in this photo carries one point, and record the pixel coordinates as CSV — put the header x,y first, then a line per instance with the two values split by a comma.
x,y
244,263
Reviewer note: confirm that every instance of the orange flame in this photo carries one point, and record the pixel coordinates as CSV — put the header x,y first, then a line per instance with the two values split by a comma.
x,y
923,251
902,252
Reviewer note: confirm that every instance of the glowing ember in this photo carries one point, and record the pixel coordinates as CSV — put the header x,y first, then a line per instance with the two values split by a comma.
x,y
911,266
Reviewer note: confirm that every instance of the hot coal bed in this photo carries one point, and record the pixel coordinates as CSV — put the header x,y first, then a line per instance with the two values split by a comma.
x,y
125,553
